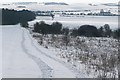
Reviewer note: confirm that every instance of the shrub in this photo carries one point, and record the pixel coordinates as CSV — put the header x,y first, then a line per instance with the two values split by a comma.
x,y
44,28
88,30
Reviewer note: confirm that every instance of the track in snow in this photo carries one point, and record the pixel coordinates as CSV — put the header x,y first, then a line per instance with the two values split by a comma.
x,y
55,67
67,65
46,70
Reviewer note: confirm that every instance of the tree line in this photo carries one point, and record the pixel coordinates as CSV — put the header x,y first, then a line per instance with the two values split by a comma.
x,y
12,17
84,30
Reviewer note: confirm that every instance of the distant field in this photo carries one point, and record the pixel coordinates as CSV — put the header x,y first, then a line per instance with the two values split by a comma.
x,y
75,22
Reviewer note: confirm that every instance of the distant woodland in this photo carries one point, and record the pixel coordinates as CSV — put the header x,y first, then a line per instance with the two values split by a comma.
x,y
12,17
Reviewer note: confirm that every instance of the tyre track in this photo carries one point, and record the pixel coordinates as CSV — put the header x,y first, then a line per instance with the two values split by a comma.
x,y
67,65
46,70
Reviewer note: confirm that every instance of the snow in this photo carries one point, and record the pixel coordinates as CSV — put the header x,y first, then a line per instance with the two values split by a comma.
x,y
78,6
70,55
15,62
58,69
76,22
0,52
23,59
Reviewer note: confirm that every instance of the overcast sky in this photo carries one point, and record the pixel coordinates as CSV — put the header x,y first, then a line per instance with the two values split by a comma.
x,y
67,1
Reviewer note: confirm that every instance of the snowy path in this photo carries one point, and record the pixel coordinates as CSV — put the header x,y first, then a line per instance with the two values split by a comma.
x,y
51,55
22,58
0,53
58,69
15,62
46,70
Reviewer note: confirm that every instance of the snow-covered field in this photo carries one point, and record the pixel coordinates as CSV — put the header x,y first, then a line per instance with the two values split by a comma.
x,y
76,22
24,58
89,55
73,22
75,6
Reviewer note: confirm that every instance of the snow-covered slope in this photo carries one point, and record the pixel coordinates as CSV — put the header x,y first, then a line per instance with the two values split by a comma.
x,y
16,63
23,59
0,52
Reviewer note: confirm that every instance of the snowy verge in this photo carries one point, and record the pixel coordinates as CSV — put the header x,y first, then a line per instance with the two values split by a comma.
x,y
86,56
